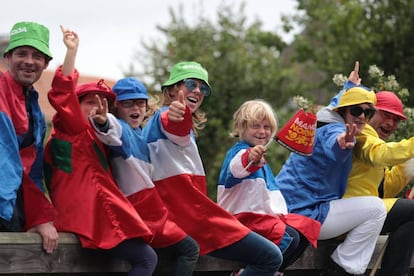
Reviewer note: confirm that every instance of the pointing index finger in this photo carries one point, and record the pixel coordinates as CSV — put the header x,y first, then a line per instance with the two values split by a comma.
x,y
356,67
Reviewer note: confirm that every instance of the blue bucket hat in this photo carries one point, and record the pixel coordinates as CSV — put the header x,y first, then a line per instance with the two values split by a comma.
x,y
130,88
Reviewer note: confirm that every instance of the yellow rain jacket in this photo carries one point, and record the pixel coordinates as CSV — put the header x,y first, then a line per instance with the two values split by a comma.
x,y
373,160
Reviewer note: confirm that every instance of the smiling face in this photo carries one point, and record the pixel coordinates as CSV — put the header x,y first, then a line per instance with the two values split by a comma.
x,y
254,122
89,101
192,94
26,64
385,123
132,111
257,133
358,115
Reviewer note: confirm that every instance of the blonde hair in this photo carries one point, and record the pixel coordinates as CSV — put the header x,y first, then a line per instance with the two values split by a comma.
x,y
199,117
153,105
251,112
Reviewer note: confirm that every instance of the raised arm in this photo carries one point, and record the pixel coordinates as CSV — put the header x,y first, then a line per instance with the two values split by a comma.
x,y
71,41
354,75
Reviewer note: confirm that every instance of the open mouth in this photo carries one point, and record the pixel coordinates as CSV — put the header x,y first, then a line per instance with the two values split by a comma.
x,y
134,116
262,140
192,100
27,71
385,131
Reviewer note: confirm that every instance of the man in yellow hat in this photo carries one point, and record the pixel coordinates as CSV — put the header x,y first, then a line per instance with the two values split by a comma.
x,y
23,203
370,175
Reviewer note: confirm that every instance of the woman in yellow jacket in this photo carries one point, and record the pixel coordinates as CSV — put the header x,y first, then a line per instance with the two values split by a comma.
x,y
380,168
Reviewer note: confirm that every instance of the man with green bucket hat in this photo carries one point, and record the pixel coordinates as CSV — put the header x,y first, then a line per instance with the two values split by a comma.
x,y
23,203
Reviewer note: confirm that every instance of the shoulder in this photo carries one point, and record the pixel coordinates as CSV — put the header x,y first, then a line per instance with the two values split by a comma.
x,y
369,131
331,129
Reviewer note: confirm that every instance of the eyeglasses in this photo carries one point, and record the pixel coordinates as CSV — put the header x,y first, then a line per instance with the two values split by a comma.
x,y
193,84
356,111
131,103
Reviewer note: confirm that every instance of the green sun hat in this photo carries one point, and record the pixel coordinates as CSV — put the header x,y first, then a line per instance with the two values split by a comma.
x,y
29,34
186,70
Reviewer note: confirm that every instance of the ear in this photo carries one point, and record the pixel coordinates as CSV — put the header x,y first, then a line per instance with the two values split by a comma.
x,y
7,57
47,60
172,93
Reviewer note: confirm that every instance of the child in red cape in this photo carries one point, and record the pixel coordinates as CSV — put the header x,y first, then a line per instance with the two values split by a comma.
x,y
88,201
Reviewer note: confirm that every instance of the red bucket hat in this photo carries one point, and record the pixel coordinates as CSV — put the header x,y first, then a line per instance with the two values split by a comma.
x,y
389,102
99,87
298,134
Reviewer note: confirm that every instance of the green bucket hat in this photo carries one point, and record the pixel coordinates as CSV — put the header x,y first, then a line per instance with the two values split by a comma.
x,y
185,70
29,34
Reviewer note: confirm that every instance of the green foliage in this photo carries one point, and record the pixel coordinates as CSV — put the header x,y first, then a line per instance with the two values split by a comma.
x,y
336,33
389,83
380,82
243,63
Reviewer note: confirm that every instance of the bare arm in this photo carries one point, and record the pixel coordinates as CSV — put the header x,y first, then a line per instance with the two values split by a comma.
x,y
71,40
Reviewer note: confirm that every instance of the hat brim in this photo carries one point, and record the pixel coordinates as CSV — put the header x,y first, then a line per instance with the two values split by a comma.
x,y
189,75
38,45
131,97
109,95
401,116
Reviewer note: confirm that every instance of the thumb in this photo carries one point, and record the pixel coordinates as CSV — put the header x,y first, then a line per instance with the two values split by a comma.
x,y
92,113
181,98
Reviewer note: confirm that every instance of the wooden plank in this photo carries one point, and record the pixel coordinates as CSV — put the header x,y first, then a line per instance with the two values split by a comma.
x,y
71,258
23,253
34,238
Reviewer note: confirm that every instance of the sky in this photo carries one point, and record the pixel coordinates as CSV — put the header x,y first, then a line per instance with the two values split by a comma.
x,y
111,32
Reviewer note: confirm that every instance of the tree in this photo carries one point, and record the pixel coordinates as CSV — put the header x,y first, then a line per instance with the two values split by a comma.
x,y
243,63
336,33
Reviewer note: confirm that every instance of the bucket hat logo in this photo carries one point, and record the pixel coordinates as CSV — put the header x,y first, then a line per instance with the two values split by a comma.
x,y
29,34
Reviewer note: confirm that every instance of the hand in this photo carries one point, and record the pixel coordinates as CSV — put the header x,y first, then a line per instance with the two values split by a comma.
x,y
354,75
49,236
98,113
70,38
256,154
346,139
176,110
